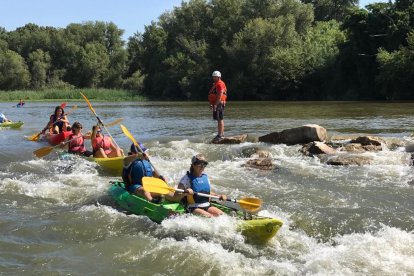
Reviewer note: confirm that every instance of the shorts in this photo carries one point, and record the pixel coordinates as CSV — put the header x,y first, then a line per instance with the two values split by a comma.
x,y
218,114
191,209
133,188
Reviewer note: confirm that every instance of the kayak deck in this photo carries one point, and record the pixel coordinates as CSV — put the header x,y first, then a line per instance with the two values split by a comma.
x,y
112,165
256,229
15,125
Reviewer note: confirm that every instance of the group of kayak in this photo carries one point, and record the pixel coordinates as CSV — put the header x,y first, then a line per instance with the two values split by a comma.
x,y
144,191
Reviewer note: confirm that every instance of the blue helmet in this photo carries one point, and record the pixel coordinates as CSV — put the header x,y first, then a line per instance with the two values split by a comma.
x,y
134,149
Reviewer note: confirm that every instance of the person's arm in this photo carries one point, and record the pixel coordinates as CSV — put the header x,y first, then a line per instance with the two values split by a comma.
x,y
220,90
177,196
48,125
129,159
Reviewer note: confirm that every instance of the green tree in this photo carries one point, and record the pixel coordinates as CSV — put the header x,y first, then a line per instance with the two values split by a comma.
x,y
13,71
39,65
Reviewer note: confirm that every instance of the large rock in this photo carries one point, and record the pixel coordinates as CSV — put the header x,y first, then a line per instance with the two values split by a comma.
x,y
315,148
238,139
300,135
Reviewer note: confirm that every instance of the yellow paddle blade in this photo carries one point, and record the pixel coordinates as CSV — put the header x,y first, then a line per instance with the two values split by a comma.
x,y
250,204
89,104
156,185
34,137
72,109
43,151
114,122
129,135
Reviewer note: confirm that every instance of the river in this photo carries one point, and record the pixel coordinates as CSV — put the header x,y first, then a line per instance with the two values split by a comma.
x,y
56,217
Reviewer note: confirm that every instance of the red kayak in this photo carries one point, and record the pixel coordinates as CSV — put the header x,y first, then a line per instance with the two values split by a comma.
x,y
55,139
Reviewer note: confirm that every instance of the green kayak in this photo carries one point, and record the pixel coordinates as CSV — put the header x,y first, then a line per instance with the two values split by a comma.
x,y
11,124
256,229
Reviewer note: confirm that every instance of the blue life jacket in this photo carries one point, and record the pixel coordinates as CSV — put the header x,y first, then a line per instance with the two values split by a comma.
x,y
200,184
134,173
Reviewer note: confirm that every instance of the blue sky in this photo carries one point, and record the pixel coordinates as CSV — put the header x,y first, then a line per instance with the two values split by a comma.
x,y
129,15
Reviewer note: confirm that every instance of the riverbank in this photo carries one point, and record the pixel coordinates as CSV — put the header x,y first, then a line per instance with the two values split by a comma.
x,y
104,95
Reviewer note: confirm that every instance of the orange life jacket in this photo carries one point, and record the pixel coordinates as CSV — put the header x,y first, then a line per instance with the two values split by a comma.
x,y
212,94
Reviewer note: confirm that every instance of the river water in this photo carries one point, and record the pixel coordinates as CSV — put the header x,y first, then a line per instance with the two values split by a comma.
x,y
56,217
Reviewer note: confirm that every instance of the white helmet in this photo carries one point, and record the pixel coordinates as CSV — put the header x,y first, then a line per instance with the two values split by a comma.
x,y
216,74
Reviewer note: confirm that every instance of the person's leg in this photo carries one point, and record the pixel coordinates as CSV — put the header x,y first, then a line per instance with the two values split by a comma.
x,y
220,127
100,153
214,211
201,212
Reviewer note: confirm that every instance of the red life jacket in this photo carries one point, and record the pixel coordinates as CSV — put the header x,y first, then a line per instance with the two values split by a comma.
x,y
77,143
103,142
212,94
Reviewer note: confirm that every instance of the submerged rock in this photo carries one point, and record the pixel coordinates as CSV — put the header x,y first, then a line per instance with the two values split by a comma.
x,y
261,164
238,139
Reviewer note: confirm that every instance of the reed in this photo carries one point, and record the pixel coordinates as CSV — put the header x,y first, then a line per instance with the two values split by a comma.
x,y
99,94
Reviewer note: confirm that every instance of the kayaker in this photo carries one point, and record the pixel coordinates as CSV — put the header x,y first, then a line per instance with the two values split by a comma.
x,y
136,166
3,118
196,181
58,122
217,98
76,141
102,145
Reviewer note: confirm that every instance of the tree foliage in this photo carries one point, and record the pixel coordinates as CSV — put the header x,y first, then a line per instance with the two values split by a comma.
x,y
265,49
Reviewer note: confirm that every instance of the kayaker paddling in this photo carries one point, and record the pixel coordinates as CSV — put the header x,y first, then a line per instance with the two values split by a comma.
x,y
136,166
58,122
76,141
102,145
3,118
196,181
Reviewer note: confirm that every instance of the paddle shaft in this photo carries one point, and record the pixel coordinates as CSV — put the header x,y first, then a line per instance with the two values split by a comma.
x,y
97,117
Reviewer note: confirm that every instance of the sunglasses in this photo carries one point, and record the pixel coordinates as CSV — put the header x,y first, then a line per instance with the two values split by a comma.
x,y
200,164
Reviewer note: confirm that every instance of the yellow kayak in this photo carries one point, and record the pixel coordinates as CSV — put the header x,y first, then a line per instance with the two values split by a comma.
x,y
11,124
112,165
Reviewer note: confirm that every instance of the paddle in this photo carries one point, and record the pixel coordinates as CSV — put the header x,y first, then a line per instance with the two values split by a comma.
x,y
36,136
129,135
156,185
114,122
46,150
99,120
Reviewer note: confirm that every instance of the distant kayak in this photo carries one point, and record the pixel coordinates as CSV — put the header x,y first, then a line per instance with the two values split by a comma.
x,y
256,229
11,124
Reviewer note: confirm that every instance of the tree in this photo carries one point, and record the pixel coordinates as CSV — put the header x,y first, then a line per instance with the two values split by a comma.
x,y
13,71
39,65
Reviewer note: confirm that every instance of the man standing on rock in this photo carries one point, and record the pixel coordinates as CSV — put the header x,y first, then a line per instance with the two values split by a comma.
x,y
217,98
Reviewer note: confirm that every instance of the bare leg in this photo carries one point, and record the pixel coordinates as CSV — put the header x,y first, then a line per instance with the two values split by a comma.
x,y
100,154
220,127
214,211
201,212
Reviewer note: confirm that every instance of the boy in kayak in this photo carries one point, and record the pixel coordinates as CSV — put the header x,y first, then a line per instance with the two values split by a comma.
x,y
102,145
136,166
3,118
76,141
58,122
196,181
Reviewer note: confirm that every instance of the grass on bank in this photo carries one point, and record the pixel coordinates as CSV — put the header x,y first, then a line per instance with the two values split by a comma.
x,y
105,95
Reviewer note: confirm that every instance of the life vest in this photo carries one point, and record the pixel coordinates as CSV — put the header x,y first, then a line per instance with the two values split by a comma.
x,y
103,142
142,168
76,144
212,94
199,184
